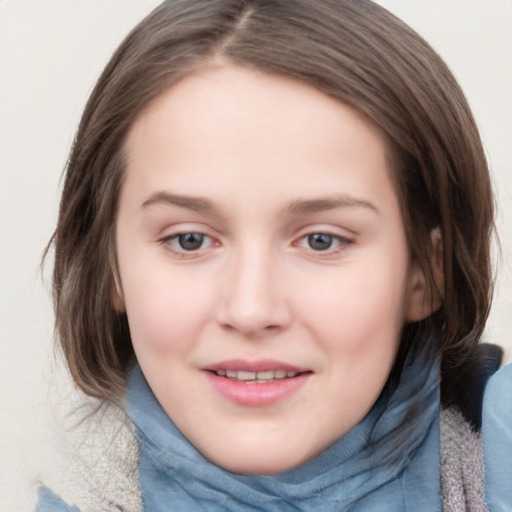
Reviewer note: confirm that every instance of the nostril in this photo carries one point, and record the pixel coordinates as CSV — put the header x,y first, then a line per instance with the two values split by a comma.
x,y
253,310
251,331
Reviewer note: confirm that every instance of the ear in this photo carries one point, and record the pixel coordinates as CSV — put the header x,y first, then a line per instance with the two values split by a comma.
x,y
422,299
116,293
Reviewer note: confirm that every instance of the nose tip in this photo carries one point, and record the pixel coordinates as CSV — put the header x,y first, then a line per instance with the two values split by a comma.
x,y
254,303
252,322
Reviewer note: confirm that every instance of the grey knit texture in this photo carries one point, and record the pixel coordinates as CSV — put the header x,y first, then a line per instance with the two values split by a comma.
x,y
462,468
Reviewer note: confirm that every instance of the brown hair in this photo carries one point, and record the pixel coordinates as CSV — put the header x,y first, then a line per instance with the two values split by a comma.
x,y
352,50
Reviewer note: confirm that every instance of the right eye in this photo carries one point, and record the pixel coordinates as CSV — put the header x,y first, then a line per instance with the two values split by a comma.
x,y
183,243
320,241
189,241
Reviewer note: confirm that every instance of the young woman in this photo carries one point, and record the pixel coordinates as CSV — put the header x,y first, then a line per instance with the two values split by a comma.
x,y
272,270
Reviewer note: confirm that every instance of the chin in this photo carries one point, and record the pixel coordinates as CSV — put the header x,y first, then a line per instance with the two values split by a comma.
x,y
271,464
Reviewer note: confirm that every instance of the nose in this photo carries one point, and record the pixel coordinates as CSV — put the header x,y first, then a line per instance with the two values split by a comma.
x,y
254,299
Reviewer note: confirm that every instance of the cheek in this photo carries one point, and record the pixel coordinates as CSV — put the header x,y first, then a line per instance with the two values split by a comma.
x,y
359,308
359,328
165,310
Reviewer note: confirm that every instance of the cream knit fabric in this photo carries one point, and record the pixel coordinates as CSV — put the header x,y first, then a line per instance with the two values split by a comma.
x,y
94,456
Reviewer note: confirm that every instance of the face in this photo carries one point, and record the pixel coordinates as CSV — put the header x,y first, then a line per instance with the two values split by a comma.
x,y
264,266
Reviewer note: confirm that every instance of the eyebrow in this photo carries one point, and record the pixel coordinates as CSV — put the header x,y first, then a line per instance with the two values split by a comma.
x,y
202,205
197,204
329,203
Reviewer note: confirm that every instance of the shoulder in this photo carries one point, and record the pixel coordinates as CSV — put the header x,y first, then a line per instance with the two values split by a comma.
x,y
48,501
498,394
497,439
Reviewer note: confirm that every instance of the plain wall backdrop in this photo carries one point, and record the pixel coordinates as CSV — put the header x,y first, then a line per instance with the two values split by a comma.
x,y
52,51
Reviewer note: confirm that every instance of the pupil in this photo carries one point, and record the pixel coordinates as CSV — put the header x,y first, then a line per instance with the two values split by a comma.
x,y
191,241
320,241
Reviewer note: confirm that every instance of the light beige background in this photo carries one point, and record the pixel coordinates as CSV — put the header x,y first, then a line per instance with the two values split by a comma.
x,y
51,52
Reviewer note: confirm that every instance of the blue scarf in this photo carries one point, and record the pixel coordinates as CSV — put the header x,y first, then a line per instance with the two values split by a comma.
x,y
386,463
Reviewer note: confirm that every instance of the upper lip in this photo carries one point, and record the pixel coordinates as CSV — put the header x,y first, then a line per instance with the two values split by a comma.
x,y
260,365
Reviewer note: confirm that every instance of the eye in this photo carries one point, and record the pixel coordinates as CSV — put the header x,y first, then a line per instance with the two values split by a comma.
x,y
324,242
189,241
320,241
182,243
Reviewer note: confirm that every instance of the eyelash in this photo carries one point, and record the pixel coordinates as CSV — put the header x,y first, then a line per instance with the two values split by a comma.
x,y
343,243
167,242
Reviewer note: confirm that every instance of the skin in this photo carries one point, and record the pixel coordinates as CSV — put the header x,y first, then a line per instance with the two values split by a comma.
x,y
260,151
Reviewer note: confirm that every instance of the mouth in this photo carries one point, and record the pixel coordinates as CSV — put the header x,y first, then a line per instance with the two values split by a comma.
x,y
257,383
261,377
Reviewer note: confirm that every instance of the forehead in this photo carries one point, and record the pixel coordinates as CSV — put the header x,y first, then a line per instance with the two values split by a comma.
x,y
238,128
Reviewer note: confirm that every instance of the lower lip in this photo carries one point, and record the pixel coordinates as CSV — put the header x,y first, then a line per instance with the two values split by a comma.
x,y
256,394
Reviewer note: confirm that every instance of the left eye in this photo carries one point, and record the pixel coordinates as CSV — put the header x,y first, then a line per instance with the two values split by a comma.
x,y
189,241
322,241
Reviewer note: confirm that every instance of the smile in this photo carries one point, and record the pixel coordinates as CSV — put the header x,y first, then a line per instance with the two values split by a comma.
x,y
256,383
256,377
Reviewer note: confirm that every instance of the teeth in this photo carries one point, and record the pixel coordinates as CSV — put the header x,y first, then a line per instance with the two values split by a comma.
x,y
256,376
246,375
265,375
